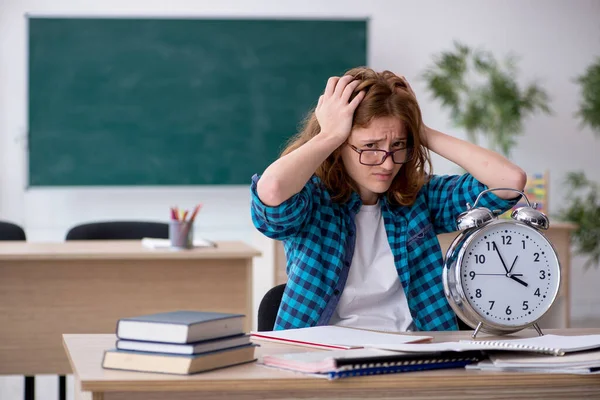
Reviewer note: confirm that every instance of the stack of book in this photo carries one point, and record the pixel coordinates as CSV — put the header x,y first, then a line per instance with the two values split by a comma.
x,y
180,342
359,353
555,354
336,364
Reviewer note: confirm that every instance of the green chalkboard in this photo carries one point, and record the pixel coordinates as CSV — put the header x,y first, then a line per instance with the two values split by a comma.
x,y
174,101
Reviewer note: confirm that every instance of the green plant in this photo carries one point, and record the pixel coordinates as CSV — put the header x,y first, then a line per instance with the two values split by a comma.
x,y
483,95
589,107
584,210
583,197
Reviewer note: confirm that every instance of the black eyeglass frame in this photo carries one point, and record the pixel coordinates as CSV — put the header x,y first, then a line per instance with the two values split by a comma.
x,y
408,157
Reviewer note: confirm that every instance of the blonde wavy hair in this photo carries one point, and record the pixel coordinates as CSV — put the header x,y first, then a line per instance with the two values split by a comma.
x,y
386,95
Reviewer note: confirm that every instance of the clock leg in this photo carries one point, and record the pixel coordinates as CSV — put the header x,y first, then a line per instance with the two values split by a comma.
x,y
538,329
479,325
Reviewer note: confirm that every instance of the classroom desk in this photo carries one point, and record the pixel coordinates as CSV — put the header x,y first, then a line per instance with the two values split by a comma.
x,y
253,381
47,289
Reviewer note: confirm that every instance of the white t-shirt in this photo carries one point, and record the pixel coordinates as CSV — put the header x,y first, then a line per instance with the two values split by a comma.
x,y
373,297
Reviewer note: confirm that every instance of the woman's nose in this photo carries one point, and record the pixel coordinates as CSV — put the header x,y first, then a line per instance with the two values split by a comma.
x,y
388,163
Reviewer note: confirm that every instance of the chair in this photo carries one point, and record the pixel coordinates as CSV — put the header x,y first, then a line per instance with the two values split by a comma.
x,y
113,230
269,306
118,230
10,231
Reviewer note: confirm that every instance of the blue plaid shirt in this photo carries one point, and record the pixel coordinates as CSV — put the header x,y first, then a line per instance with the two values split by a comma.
x,y
319,236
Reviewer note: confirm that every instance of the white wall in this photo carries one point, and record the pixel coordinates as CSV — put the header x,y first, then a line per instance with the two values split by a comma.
x,y
556,40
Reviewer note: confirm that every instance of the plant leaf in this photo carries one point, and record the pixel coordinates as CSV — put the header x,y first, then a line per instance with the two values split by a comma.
x,y
483,95
589,107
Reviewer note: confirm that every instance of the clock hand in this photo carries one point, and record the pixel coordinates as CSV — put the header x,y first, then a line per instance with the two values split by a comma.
x,y
513,264
514,278
498,251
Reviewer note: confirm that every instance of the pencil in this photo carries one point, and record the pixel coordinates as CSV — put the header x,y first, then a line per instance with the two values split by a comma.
x,y
196,209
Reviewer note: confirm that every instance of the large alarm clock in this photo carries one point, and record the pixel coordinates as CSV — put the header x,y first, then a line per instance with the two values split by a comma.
x,y
501,275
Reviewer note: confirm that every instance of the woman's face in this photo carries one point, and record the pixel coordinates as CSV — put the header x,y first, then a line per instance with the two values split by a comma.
x,y
386,133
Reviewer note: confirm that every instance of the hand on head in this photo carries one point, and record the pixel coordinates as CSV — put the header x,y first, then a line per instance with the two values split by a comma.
x,y
335,110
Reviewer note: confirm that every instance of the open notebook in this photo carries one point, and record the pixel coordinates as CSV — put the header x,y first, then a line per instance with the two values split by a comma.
x,y
335,337
556,345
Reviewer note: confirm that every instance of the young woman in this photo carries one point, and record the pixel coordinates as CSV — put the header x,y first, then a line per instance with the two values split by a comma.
x,y
358,211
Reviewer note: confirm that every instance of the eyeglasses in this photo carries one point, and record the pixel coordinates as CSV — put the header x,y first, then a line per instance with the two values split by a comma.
x,y
378,157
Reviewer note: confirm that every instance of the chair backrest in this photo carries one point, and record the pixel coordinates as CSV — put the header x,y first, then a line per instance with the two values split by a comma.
x,y
119,230
268,308
10,231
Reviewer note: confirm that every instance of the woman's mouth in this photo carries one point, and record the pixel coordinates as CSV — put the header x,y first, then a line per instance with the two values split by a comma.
x,y
383,177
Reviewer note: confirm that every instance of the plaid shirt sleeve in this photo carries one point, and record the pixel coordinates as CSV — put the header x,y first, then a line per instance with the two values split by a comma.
x,y
288,218
448,196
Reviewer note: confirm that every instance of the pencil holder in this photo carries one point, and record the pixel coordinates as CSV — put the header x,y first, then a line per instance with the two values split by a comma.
x,y
181,234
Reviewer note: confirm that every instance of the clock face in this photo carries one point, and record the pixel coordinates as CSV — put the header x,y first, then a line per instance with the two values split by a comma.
x,y
510,274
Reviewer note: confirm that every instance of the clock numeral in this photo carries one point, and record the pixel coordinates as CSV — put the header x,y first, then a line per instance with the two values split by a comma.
x,y
537,292
472,275
506,239
479,259
491,246
525,305
478,293
492,304
542,274
508,310
522,241
536,257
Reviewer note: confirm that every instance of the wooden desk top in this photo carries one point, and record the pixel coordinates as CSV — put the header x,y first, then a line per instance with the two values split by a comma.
x,y
117,249
85,354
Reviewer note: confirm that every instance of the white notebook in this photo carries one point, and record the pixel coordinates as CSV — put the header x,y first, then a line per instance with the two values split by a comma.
x,y
357,362
548,344
488,365
152,243
581,359
334,337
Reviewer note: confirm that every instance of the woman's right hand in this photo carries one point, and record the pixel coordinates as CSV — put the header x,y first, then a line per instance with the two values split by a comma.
x,y
334,110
